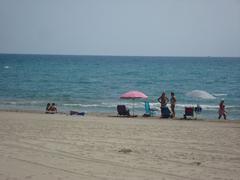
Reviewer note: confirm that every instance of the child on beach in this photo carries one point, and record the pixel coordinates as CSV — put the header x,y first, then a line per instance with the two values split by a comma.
x,y
221,110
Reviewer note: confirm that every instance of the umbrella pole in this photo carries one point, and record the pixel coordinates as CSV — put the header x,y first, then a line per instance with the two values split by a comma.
x,y
133,107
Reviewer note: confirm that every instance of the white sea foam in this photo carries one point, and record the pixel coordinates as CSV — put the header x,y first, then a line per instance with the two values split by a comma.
x,y
82,105
204,106
6,67
12,103
219,94
137,105
22,102
140,105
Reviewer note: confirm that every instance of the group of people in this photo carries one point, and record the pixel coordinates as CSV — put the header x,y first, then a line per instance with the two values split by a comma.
x,y
163,100
51,108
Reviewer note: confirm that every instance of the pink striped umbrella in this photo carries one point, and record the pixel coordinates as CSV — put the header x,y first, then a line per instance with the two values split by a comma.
x,y
133,95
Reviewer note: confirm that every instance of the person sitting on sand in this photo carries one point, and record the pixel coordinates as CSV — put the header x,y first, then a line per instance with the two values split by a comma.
x,y
221,110
51,109
48,107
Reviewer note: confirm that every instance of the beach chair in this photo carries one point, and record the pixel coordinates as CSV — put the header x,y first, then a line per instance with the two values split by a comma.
x,y
165,112
198,109
148,110
189,111
122,110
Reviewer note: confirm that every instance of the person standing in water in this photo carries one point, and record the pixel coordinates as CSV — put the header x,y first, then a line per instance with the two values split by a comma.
x,y
221,110
173,101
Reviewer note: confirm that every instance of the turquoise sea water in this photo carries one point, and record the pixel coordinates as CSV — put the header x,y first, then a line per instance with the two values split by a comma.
x,y
94,83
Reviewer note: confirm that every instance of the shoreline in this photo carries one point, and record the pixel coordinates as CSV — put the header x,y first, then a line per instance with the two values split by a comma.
x,y
204,115
114,115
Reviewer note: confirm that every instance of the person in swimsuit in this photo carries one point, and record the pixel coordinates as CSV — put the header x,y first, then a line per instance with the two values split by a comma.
x,y
221,110
163,101
51,109
48,107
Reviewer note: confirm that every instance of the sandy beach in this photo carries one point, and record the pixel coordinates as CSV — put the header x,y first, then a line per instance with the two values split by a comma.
x,y
44,146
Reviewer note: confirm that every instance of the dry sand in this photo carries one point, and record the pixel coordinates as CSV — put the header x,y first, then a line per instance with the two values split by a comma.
x,y
49,147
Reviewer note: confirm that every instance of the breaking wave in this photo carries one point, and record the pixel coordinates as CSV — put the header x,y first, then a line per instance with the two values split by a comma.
x,y
219,94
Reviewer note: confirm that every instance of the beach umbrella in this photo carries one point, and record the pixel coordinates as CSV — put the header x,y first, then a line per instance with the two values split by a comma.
x,y
199,94
133,95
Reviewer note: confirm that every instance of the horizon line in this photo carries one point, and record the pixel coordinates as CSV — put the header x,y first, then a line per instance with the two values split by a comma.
x,y
109,55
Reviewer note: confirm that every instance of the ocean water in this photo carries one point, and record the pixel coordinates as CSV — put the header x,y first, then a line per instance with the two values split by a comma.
x,y
95,83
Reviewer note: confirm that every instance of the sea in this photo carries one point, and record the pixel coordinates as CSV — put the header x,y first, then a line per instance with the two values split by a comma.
x,y
95,83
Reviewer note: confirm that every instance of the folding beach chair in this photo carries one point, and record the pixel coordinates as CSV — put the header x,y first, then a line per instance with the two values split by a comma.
x,y
122,110
189,111
148,110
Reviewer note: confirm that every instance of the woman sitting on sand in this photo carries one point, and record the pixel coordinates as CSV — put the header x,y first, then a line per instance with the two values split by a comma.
x,y
48,107
51,109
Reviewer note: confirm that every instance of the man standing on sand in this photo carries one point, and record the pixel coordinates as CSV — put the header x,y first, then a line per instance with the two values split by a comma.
x,y
173,101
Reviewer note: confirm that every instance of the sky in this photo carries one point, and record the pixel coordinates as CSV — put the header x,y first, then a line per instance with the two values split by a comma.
x,y
121,27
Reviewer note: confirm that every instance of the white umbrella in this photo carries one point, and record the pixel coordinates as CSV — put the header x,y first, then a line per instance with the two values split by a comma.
x,y
200,94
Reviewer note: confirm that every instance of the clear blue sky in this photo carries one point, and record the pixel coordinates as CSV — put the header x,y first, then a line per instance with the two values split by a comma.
x,y
121,27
